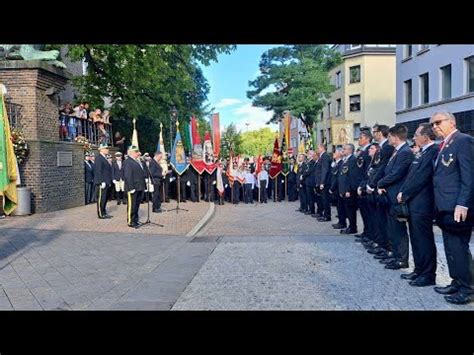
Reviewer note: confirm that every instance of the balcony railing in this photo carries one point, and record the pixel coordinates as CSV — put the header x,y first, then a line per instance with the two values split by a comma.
x,y
14,112
70,127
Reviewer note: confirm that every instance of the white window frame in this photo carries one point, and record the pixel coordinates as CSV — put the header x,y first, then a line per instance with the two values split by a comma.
x,y
466,75
405,92
421,86
441,82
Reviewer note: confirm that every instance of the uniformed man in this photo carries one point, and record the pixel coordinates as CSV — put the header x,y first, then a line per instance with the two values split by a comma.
x,y
347,186
156,176
417,192
167,182
236,186
336,167
301,167
382,247
317,192
102,181
192,178
88,178
291,180
324,182
134,175
117,178
209,181
394,176
309,183
92,162
249,184
371,198
262,179
453,182
363,163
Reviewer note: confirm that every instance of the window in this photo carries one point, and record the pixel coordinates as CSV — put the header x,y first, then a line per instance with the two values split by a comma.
x,y
329,109
338,80
408,94
408,48
423,47
329,136
355,74
321,116
355,46
356,130
424,89
354,103
338,107
470,74
446,82
322,139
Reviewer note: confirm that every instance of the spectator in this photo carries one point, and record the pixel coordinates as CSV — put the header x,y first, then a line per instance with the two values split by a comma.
x,y
64,114
119,142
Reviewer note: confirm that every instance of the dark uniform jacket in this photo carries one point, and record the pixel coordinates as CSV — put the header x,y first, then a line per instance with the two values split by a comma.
x,y
363,164
381,159
192,175
89,172
102,171
309,175
348,176
453,178
323,170
291,175
395,172
335,171
117,173
156,172
417,190
299,175
134,175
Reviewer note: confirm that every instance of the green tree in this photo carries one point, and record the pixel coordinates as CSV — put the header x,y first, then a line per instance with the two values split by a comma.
x,y
258,142
231,138
299,75
145,82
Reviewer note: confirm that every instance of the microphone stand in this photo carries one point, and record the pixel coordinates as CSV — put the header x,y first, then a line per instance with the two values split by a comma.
x,y
177,208
148,221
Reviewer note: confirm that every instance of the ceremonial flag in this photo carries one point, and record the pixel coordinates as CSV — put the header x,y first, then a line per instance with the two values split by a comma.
x,y
187,139
161,148
135,134
8,163
190,133
209,164
230,168
220,183
276,167
284,152
259,165
178,156
216,134
197,147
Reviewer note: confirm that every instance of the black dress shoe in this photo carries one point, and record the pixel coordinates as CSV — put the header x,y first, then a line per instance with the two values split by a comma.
x,y
133,225
307,213
362,235
410,276
338,226
347,231
362,240
422,281
447,290
324,219
459,298
118,203
387,260
395,265
376,250
384,255
107,216
299,210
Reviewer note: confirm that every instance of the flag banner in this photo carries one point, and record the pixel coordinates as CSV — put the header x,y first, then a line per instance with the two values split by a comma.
x,y
190,132
210,166
187,140
178,156
285,163
135,134
259,165
275,167
8,163
216,134
230,168
220,182
161,148
197,147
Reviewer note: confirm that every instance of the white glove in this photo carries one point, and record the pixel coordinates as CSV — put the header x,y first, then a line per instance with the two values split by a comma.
x,y
171,179
282,181
226,186
213,183
146,181
132,191
102,186
188,183
114,181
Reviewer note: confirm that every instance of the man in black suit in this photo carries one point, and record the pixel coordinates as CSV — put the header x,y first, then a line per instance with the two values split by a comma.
x,y
102,180
381,246
156,175
348,182
417,193
335,172
323,182
192,175
309,183
363,163
134,175
88,178
394,176
117,176
300,183
453,182
92,162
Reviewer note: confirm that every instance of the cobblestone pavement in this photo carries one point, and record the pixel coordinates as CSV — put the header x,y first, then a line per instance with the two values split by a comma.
x,y
85,219
270,257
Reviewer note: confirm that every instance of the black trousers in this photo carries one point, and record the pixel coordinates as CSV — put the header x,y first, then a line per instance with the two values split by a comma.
x,y
310,199
156,195
280,188
182,190
270,187
364,212
318,200
372,218
193,191
341,212
382,226
262,191
350,205
101,198
458,255
208,188
398,236
302,198
292,193
235,192
165,189
89,190
248,193
326,202
133,206
423,244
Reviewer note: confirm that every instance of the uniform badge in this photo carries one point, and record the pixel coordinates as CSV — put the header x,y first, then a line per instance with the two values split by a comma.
x,y
377,159
360,162
345,169
448,162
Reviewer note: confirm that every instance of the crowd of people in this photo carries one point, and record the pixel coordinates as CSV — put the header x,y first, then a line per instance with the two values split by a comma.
x,y
400,191
80,122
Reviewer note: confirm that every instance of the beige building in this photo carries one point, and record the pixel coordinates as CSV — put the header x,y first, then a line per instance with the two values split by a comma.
x,y
365,92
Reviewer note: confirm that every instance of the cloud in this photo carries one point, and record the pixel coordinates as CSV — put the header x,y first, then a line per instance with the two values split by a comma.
x,y
256,116
227,102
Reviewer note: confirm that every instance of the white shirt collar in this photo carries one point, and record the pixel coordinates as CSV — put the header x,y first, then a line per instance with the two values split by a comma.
x,y
383,142
364,147
399,146
427,146
449,135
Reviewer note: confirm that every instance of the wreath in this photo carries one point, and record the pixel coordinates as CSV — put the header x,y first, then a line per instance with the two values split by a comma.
x,y
86,145
19,145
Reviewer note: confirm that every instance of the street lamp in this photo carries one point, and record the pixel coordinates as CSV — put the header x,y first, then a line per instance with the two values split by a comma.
x,y
174,117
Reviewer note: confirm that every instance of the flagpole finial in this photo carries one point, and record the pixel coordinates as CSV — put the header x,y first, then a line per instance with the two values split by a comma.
x,y
177,125
161,125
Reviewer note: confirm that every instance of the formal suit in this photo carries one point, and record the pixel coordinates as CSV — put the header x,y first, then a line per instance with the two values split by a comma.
x,y
134,176
89,181
348,182
102,175
310,184
417,193
156,177
209,185
291,182
341,210
363,165
192,177
117,175
301,188
394,176
453,182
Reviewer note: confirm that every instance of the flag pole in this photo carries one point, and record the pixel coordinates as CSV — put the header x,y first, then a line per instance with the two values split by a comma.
x,y
286,189
199,188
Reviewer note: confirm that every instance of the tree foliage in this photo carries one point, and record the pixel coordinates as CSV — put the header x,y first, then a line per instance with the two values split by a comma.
x,y
231,138
299,75
145,82
258,142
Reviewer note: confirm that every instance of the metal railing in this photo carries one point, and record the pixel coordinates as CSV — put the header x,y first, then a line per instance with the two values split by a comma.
x,y
71,127
14,112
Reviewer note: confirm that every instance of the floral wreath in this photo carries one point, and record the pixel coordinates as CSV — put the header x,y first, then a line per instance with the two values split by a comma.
x,y
19,145
86,145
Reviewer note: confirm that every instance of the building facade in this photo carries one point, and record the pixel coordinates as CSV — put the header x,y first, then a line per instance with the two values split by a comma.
x,y
298,132
433,78
365,91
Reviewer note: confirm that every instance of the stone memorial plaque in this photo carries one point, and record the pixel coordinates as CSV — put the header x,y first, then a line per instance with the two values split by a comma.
x,y
64,159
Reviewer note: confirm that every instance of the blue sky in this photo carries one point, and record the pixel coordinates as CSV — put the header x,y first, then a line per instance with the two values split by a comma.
x,y
229,79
